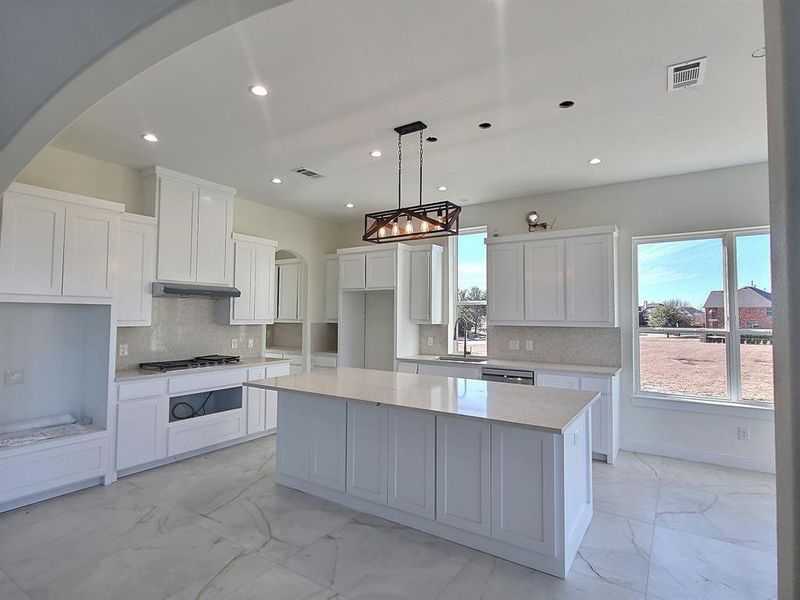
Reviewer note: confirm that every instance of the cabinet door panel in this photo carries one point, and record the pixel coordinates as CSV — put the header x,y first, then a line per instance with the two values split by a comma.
x,y
31,245
412,462
293,436
544,281
264,282
332,290
142,431
555,380
505,293
600,411
523,492
589,286
381,270
462,474
464,372
327,425
366,451
137,269
214,244
91,245
256,410
352,271
177,230
288,292
243,278
420,286
270,410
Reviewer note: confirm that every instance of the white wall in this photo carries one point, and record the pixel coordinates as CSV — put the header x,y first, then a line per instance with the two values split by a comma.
x,y
722,198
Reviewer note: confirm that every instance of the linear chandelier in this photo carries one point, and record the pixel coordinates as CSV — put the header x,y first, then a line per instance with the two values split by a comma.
x,y
435,219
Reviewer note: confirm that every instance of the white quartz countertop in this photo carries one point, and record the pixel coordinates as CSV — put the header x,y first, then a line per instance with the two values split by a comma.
x,y
134,374
513,364
546,409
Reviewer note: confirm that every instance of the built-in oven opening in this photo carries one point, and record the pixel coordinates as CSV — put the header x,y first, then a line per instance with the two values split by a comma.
x,y
199,404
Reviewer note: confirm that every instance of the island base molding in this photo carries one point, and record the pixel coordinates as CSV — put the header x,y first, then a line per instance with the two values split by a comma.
x,y
556,566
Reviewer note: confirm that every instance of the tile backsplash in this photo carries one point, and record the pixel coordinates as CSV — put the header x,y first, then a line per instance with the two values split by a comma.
x,y
184,328
439,335
285,335
324,337
596,346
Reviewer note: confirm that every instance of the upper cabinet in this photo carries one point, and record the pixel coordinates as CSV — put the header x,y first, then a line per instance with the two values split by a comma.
x,y
565,278
195,221
58,244
289,274
368,268
137,270
331,288
425,285
254,277
353,271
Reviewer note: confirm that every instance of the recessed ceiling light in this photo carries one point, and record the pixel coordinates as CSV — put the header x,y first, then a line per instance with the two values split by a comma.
x,y
150,137
595,161
258,90
485,125
277,180
759,52
442,188
376,154
566,104
349,205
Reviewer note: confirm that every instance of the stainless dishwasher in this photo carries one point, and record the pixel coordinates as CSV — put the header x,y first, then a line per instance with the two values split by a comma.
x,y
507,375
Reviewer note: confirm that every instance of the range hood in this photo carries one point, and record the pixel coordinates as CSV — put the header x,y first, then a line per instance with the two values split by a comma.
x,y
187,290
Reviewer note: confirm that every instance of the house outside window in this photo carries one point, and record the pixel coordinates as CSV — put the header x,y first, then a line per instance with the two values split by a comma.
x,y
686,344
469,290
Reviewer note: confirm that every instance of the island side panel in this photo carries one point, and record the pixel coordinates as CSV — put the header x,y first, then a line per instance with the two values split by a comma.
x,y
577,477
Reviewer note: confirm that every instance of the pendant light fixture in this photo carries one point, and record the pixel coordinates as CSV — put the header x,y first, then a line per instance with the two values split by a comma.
x,y
435,219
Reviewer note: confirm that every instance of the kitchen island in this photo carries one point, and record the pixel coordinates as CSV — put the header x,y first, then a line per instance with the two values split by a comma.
x,y
501,468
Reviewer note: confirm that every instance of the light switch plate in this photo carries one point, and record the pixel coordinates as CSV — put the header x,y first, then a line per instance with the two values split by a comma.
x,y
234,344
430,341
250,343
13,376
529,345
123,349
513,344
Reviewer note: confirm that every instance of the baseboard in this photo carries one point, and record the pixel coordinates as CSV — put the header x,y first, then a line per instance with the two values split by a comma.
x,y
724,460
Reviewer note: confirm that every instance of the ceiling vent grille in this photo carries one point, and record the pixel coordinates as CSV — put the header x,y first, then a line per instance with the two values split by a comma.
x,y
307,172
686,74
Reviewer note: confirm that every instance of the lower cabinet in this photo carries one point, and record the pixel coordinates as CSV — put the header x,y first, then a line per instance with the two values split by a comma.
x,y
205,431
367,451
451,370
142,431
411,461
463,486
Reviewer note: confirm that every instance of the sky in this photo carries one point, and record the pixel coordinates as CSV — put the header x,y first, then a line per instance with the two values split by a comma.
x,y
689,270
471,260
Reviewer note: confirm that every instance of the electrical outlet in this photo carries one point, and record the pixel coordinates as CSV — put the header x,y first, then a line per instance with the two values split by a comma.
x,y
234,344
513,344
744,434
123,349
251,343
529,345
430,341
13,376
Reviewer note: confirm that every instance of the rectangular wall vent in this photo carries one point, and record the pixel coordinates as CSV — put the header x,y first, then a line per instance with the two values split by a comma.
x,y
686,74
307,172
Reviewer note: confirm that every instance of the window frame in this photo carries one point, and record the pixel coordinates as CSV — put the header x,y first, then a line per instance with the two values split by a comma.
x,y
452,344
730,330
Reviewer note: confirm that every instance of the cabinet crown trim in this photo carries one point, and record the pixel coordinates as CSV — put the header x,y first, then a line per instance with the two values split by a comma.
x,y
162,172
550,235
251,239
374,248
69,197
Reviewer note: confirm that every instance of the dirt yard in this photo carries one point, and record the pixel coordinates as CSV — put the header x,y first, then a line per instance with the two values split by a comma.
x,y
684,365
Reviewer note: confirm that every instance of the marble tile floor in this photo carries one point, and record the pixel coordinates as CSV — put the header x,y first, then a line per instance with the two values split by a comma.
x,y
217,527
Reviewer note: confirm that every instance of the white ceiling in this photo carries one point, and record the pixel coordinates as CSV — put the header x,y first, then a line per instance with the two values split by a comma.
x,y
343,74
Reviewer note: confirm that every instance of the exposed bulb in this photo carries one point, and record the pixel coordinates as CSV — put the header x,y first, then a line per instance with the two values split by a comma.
x,y
440,218
424,227
395,228
382,232
409,225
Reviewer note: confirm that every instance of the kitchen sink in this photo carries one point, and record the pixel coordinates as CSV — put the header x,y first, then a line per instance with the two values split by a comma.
x,y
461,358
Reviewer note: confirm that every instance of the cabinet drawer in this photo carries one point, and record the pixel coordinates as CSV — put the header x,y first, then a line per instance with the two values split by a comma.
x,y
256,373
28,473
142,389
558,380
278,370
323,360
207,381
201,432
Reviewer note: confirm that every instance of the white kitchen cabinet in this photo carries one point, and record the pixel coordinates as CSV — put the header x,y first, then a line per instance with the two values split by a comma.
x,y
195,221
558,380
463,487
407,367
590,281
137,270
411,461
142,431
352,271
381,270
327,424
523,488
504,282
254,277
331,288
323,360
450,370
294,440
208,430
425,285
544,281
289,275
58,244
367,451
255,402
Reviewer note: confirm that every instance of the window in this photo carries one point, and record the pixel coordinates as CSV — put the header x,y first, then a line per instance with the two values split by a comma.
x,y
470,288
686,344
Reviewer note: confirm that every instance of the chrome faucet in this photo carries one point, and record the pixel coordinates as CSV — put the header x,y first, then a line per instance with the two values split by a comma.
x,y
465,325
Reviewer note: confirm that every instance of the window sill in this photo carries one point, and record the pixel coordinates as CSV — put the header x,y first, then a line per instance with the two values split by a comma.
x,y
710,407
